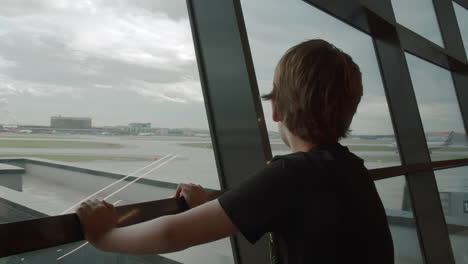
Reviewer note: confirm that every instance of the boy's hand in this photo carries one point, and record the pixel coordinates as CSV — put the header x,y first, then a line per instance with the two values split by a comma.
x,y
97,218
193,194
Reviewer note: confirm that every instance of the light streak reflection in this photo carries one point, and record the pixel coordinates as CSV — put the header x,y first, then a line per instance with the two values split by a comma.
x,y
114,183
121,189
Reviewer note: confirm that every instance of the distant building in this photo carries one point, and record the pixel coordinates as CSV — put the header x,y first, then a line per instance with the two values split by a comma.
x,y
163,132
139,125
70,122
140,128
180,132
187,132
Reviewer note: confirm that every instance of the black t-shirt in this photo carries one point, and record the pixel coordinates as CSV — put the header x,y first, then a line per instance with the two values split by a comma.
x,y
321,205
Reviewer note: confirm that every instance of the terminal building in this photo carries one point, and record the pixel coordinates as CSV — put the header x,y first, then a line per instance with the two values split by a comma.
x,y
140,128
62,122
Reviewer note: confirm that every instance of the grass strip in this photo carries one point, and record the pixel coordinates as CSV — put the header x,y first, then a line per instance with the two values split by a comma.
x,y
76,158
63,136
198,145
56,144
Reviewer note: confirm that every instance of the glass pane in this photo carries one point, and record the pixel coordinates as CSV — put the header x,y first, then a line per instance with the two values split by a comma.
x,y
92,91
86,254
453,189
272,31
395,198
462,18
419,16
439,110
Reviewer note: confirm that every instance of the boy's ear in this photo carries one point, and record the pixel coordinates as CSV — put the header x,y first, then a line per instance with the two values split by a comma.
x,y
275,116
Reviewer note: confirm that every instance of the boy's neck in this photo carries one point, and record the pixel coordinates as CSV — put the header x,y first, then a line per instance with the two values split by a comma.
x,y
297,144
301,146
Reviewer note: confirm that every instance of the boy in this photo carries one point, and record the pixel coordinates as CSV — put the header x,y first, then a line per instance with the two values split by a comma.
x,y
319,201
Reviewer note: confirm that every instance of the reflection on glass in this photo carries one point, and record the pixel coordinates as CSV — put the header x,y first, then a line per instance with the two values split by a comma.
x,y
453,190
92,91
395,199
439,110
462,18
393,192
419,16
88,254
272,31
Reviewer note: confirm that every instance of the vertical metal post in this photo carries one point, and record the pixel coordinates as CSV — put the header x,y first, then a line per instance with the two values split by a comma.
x,y
232,101
454,44
427,209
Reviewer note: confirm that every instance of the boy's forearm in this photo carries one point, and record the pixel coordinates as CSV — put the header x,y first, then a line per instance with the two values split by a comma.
x,y
152,237
205,223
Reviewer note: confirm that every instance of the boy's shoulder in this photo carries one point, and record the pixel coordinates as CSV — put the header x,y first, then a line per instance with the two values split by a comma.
x,y
319,157
323,167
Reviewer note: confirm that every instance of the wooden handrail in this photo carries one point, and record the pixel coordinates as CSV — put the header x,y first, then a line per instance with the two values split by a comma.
x,y
388,172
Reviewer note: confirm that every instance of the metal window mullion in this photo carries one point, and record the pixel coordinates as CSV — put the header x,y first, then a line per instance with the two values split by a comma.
x,y
463,3
353,13
453,42
234,111
431,227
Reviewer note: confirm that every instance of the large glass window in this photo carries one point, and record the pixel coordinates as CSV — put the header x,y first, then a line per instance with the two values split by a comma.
x,y
419,16
452,185
395,198
446,139
275,26
462,18
439,110
92,91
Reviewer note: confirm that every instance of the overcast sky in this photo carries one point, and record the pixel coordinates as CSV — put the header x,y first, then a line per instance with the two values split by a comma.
x,y
133,61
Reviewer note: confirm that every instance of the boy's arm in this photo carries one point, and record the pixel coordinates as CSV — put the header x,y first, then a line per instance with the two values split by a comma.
x,y
202,224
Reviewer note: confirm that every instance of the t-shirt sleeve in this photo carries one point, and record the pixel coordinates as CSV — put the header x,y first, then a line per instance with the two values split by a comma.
x,y
260,203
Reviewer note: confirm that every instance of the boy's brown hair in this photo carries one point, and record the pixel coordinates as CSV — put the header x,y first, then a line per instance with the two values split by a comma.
x,y
316,91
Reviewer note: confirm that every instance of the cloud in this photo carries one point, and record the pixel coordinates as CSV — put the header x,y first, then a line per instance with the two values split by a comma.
x,y
462,18
178,92
424,23
6,63
372,116
103,29
435,95
146,39
15,87
62,45
103,86
431,83
5,114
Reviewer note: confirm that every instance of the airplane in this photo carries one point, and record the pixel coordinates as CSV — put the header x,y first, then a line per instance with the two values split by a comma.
x,y
447,142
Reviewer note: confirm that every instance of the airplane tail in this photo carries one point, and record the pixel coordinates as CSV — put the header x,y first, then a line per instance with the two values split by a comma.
x,y
449,139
